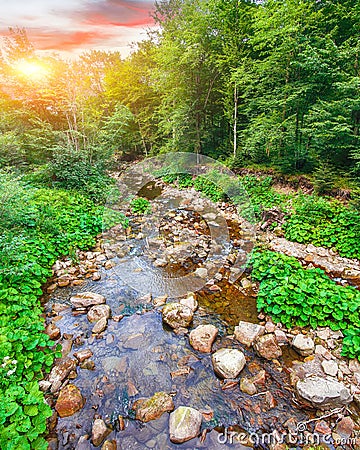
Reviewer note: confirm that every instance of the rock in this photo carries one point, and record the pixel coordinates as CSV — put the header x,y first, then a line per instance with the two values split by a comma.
x,y
69,401
270,327
52,331
345,428
246,332
202,338
109,445
201,272
177,315
44,385
160,301
269,400
96,276
184,424
82,355
281,337
83,443
228,362
304,345
154,407
160,262
246,283
323,393
322,428
51,288
247,386
100,326
109,265
267,347
86,299
322,351
60,372
99,432
259,379
330,367
354,366
97,312
190,302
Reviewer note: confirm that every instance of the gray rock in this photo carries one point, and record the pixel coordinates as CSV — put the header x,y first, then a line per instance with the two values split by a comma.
x,y
246,332
97,312
228,362
202,337
177,315
99,432
330,367
184,424
86,299
100,326
323,393
304,345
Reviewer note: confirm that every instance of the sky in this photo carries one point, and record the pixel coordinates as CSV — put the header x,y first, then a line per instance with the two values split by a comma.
x,y
69,27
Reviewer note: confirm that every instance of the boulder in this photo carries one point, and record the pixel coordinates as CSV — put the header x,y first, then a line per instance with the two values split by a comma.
x,y
228,362
323,393
86,299
304,345
190,302
177,315
100,326
60,372
246,332
152,408
267,347
69,401
202,337
99,432
97,312
184,424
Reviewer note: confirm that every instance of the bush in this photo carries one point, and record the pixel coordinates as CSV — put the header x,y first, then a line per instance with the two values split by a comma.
x,y
140,206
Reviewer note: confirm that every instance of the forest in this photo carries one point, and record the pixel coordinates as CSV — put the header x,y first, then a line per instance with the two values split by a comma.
x,y
270,89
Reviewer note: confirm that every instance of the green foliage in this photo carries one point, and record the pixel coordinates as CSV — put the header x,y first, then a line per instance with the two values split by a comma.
x,y
326,223
293,295
140,206
81,170
37,227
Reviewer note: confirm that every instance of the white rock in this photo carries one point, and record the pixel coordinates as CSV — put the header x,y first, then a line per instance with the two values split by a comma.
x,y
201,272
190,302
323,393
303,345
184,424
228,362
97,312
330,367
246,332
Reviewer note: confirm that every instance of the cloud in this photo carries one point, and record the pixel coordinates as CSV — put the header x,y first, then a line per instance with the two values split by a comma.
x,y
73,25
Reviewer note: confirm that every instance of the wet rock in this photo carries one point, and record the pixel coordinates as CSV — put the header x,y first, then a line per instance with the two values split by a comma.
x,y
88,365
184,424
201,272
281,337
100,326
323,393
267,347
228,362
247,386
99,432
202,338
177,315
60,372
304,345
190,302
259,379
51,288
82,355
160,301
97,312
160,262
269,400
154,407
131,389
322,428
345,428
109,445
96,276
44,385
246,332
86,299
52,331
69,401
83,443
330,367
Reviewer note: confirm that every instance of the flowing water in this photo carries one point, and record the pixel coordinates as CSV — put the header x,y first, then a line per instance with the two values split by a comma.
x,y
138,356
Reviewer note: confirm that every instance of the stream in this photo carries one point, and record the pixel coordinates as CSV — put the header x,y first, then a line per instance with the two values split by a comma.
x,y
137,355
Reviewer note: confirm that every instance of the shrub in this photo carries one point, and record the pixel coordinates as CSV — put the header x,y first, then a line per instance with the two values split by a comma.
x,y
140,206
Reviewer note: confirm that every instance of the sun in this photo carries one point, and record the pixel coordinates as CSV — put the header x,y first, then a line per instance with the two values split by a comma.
x,y
32,70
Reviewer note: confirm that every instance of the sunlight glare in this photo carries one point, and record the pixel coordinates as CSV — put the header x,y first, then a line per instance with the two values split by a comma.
x,y
31,69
